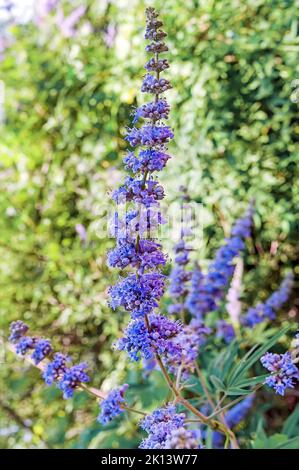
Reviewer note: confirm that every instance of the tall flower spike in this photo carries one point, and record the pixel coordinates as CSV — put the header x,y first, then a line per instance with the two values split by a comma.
x,y
136,248
267,310
215,283
180,276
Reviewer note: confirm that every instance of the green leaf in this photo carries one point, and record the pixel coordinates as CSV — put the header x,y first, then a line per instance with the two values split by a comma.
x,y
290,444
291,423
219,385
252,381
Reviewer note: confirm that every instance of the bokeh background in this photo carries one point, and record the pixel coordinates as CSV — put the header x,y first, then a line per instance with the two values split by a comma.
x,y
70,71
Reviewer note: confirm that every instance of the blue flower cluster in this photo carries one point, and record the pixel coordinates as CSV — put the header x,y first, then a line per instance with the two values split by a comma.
x,y
40,347
138,294
267,310
182,438
55,371
160,426
139,340
284,373
111,407
17,330
56,368
225,331
72,378
185,347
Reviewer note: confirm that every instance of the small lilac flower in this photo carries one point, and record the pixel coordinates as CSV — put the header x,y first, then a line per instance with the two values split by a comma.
x,y
159,426
138,295
178,280
67,24
42,349
185,347
142,193
81,231
150,136
182,438
154,65
151,84
147,255
147,160
140,342
284,372
111,407
225,331
155,110
25,344
72,378
17,330
110,35
56,368
266,311
193,301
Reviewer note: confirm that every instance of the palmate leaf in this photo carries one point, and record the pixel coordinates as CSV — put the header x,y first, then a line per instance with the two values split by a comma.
x,y
224,361
290,444
291,425
238,372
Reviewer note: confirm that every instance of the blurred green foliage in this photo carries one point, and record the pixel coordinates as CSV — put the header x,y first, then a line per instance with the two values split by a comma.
x,y
67,103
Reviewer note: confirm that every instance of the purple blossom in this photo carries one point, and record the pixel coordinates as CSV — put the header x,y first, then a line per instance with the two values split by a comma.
x,y
155,110
42,349
17,330
193,302
110,35
185,347
139,341
68,24
111,407
136,190
178,279
154,65
43,8
72,378
159,426
25,344
225,331
150,136
56,368
147,161
182,438
138,294
220,271
156,47
266,311
147,255
81,231
284,372
154,85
